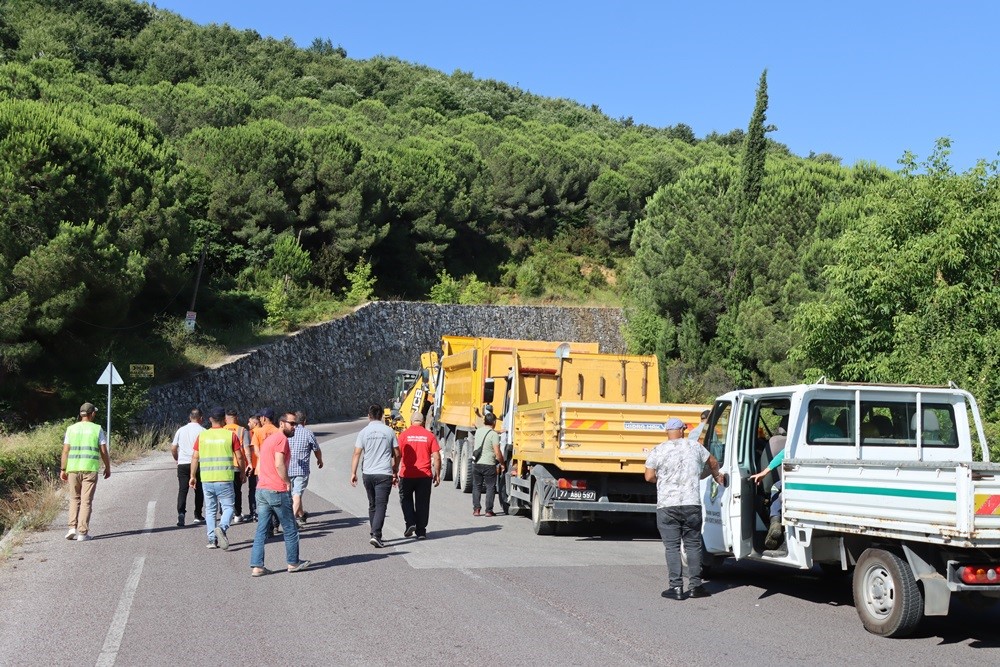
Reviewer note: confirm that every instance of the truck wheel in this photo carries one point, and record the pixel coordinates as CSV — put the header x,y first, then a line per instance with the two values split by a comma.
x,y
465,467
886,595
447,469
540,527
456,467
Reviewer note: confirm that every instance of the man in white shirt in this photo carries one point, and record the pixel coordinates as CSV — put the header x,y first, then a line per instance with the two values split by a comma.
x,y
182,449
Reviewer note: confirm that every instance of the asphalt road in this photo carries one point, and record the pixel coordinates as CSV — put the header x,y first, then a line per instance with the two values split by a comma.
x,y
478,591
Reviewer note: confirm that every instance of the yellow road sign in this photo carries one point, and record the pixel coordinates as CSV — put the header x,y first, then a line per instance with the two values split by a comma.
x,y
140,370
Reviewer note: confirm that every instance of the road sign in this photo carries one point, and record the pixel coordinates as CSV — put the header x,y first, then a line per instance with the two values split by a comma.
x,y
110,377
140,370
189,320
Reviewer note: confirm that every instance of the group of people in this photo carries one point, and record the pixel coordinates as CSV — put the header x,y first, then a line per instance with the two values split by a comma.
x,y
272,454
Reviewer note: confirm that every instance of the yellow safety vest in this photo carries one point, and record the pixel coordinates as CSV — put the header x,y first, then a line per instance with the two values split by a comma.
x,y
215,455
84,447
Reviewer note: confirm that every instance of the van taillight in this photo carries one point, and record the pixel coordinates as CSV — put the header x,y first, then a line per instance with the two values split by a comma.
x,y
563,483
981,574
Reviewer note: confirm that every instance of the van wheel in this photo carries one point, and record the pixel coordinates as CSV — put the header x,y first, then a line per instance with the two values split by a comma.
x,y
540,527
886,595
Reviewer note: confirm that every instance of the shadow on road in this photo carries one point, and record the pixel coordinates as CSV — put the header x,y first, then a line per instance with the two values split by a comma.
x,y
963,623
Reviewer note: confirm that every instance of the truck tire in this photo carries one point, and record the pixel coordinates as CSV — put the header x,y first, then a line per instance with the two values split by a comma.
x,y
886,595
465,467
540,527
446,471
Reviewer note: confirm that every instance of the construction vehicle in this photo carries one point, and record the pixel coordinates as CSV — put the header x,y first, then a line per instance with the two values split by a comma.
x,y
470,373
408,392
578,427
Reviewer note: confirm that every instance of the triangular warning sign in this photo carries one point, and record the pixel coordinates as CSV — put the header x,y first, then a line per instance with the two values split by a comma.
x,y
110,376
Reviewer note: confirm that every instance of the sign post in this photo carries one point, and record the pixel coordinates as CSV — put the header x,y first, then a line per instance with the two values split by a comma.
x,y
109,377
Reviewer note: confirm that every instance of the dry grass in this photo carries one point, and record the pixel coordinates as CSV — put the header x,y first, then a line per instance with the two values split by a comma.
x,y
32,509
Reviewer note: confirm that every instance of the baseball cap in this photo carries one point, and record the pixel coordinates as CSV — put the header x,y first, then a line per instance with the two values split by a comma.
x,y
417,418
675,424
266,412
87,408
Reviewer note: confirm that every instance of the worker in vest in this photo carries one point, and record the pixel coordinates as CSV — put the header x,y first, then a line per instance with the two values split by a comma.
x,y
213,460
84,447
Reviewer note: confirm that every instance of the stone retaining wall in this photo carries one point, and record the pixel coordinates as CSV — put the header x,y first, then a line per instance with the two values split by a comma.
x,y
337,369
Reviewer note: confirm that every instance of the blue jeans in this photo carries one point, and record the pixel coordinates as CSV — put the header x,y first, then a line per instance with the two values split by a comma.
x,y
676,524
217,493
278,503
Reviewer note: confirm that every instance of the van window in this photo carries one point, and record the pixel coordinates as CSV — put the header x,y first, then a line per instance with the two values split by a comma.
x,y
717,429
884,423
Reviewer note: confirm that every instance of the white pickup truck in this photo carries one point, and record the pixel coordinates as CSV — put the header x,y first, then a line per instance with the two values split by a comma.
x,y
878,478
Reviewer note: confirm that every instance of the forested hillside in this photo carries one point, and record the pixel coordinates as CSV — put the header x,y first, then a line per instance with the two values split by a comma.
x,y
134,143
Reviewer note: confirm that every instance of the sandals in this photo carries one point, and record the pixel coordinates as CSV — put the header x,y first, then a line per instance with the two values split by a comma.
x,y
303,564
259,571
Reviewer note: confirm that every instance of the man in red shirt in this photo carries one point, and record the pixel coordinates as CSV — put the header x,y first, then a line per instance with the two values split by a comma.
x,y
274,497
420,467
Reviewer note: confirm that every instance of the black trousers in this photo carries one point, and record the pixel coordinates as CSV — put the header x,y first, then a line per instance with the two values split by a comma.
x,y
252,493
415,498
378,488
237,490
484,474
183,475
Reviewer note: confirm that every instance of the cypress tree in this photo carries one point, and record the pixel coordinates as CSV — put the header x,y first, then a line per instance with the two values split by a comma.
x,y
754,151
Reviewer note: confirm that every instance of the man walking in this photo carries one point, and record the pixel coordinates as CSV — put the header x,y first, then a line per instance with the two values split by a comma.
x,y
243,435
420,466
274,498
378,446
675,466
84,447
484,473
265,429
213,455
182,448
302,443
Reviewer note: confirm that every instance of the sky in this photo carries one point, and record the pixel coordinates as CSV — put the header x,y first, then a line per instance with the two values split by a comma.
x,y
861,80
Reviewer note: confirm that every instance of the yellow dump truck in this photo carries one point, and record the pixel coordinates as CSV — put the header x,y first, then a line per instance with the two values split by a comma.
x,y
469,374
578,427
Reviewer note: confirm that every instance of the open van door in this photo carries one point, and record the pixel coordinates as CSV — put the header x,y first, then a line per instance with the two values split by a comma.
x,y
737,506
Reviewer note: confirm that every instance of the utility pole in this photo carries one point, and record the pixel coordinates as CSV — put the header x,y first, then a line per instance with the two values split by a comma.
x,y
192,314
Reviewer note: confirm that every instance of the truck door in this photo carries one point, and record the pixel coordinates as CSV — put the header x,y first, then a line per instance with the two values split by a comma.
x,y
714,497
737,506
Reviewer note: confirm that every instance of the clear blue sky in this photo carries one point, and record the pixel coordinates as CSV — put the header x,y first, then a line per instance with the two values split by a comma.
x,y
862,80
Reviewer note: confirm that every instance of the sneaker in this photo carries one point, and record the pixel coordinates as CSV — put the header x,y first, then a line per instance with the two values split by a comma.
x,y
222,538
300,522
490,513
409,531
198,519
180,520
253,517
71,535
303,564
475,513
83,537
247,518
305,516
237,518
675,593
212,545
422,537
376,542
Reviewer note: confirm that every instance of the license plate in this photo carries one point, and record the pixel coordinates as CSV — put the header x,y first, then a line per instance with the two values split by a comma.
x,y
576,494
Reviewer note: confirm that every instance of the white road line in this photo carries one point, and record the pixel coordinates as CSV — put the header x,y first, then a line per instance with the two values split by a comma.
x,y
113,640
150,517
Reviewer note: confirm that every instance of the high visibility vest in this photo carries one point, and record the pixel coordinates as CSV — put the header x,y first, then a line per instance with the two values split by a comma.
x,y
215,455
84,447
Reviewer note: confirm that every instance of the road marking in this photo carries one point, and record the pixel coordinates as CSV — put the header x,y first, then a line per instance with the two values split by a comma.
x,y
150,517
113,640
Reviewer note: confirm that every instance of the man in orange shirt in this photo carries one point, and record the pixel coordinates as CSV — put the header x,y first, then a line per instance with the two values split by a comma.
x,y
267,428
243,435
421,466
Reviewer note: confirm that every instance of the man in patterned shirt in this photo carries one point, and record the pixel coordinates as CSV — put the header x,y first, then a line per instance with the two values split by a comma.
x,y
302,443
676,467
